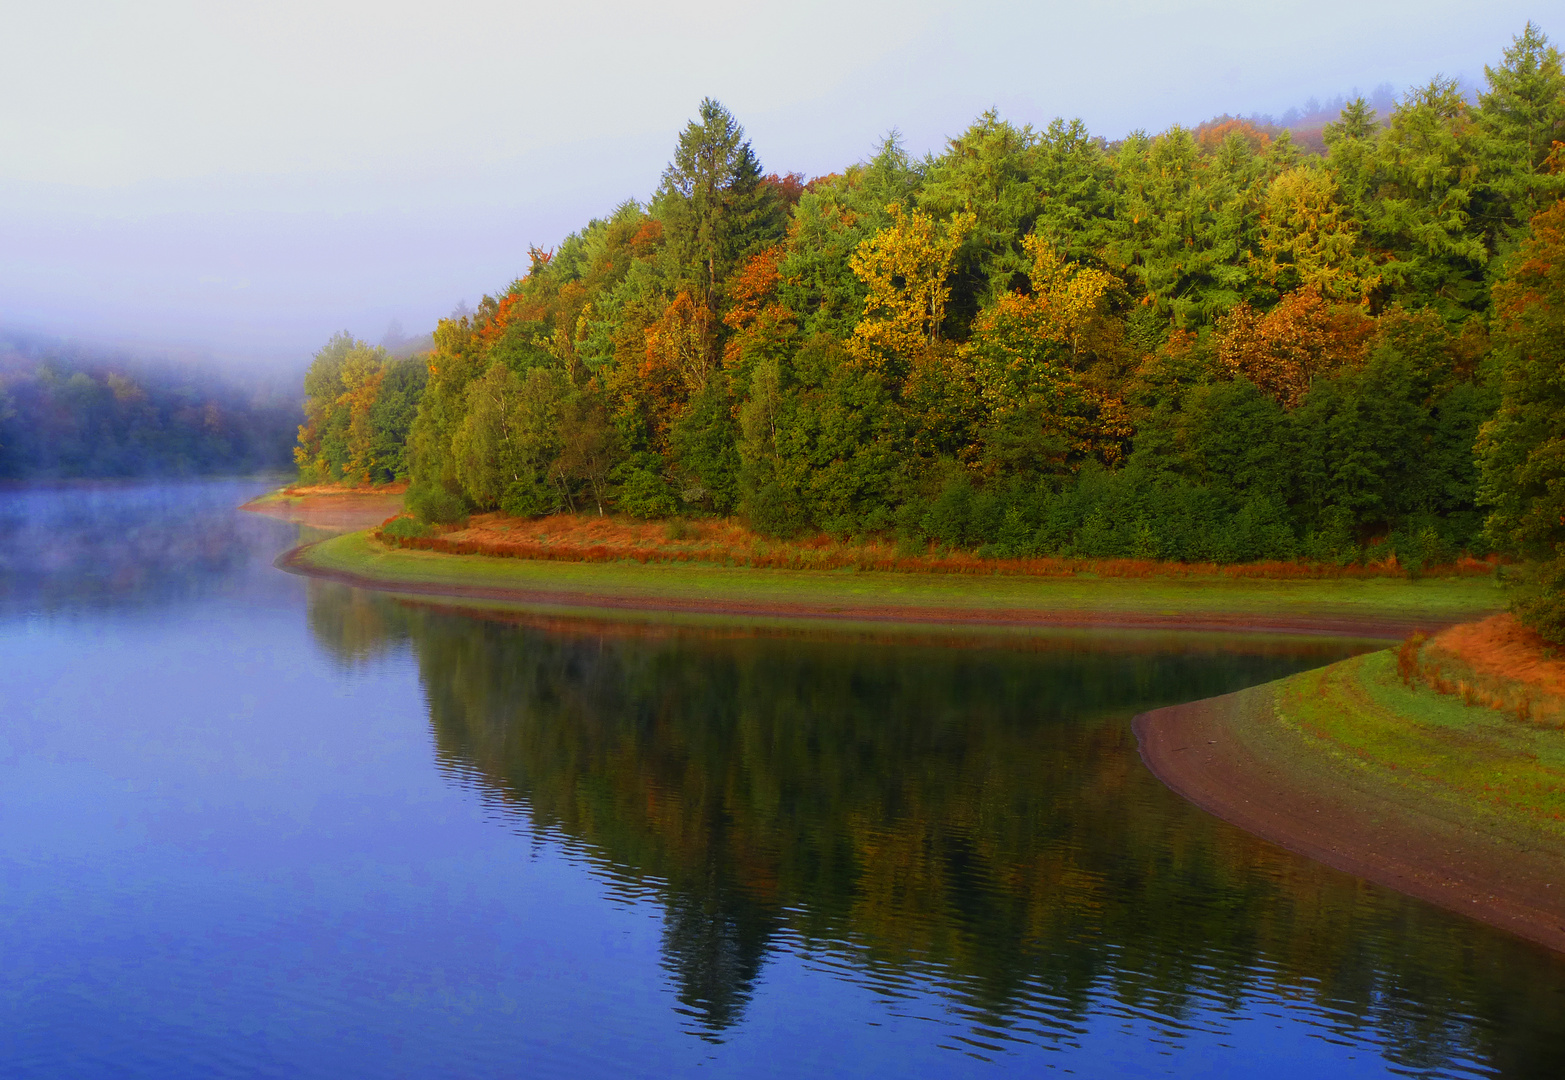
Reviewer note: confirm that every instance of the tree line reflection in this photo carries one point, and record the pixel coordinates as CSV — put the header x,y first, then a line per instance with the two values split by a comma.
x,y
970,815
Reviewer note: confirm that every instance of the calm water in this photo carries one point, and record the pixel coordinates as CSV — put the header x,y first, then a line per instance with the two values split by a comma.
x,y
256,826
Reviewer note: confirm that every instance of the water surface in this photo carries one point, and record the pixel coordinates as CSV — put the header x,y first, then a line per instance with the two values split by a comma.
x,y
254,825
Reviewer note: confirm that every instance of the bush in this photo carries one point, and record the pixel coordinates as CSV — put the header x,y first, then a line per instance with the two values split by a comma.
x,y
528,498
1539,599
406,528
771,512
948,517
434,505
1332,541
643,492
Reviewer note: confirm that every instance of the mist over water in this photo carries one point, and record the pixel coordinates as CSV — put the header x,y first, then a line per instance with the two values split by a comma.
x,y
260,825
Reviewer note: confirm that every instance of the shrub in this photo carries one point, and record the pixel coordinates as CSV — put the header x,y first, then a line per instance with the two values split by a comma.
x,y
1539,598
528,498
771,512
406,528
1408,667
643,492
434,505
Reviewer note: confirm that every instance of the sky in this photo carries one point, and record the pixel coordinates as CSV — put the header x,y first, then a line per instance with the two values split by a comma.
x,y
241,180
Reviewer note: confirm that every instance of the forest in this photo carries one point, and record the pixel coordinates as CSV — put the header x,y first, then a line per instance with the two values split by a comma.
x,y
70,414
1210,344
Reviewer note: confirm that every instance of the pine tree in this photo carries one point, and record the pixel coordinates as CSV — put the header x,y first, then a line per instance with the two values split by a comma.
x,y
1521,118
714,208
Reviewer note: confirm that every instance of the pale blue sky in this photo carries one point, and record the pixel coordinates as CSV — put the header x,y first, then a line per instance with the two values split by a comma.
x,y
243,179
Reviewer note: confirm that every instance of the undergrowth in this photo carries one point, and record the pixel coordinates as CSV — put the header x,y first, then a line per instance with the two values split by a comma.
x,y
567,539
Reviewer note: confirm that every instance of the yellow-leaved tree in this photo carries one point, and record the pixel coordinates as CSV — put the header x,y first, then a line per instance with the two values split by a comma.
x,y
1309,239
1028,354
363,371
906,266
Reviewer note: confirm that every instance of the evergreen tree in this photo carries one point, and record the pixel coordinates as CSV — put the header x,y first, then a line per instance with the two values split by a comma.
x,y
714,208
1521,118
1523,447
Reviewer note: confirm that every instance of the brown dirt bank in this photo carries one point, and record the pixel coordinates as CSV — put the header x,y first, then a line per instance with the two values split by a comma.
x,y
1229,756
342,509
1387,628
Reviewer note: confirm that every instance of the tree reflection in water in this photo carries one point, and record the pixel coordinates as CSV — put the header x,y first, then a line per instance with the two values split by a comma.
x,y
969,815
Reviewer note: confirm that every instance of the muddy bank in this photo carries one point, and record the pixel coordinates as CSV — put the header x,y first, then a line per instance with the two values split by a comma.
x,y
339,511
1231,757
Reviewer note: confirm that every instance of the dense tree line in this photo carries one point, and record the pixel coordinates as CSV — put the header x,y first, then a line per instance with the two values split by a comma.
x,y
65,415
1201,344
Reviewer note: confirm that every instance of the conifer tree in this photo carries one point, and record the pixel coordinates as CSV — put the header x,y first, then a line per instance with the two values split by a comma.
x,y
1521,118
714,208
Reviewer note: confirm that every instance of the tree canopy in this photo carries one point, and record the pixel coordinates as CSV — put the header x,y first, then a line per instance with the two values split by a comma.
x,y
1205,344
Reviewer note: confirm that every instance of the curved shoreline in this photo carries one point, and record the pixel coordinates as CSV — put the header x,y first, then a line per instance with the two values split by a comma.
x,y
1231,757
1224,754
625,600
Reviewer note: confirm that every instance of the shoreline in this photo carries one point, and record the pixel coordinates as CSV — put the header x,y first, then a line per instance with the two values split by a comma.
x,y
1230,756
344,509
1234,758
1378,610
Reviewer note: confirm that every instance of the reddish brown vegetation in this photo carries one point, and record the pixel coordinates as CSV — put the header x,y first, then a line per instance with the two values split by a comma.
x,y
1301,338
1497,663
584,538
1407,657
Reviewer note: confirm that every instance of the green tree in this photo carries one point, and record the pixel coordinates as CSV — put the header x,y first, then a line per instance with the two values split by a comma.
x,y
834,216
712,203
392,415
509,439
1523,448
986,174
1075,179
1521,117
1421,212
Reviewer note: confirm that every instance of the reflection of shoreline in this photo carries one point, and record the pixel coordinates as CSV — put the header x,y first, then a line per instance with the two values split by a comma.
x,y
1032,639
1236,759
971,820
618,591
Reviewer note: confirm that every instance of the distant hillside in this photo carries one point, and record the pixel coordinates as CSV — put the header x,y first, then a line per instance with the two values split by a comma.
x,y
67,412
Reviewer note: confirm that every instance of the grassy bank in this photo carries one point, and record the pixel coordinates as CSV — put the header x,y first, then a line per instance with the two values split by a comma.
x,y
1434,746
1417,768
1376,606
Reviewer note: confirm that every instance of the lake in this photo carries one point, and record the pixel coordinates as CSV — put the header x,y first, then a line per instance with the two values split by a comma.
x,y
256,825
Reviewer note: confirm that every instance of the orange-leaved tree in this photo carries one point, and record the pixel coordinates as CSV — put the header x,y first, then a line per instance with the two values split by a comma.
x,y
1300,339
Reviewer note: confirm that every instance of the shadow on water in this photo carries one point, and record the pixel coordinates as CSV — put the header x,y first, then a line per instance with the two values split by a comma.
x,y
969,816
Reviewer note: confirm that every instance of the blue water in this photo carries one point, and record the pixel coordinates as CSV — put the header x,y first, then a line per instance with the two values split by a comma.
x,y
252,825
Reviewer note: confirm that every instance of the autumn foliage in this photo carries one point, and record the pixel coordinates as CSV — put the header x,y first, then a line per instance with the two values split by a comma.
x,y
1201,346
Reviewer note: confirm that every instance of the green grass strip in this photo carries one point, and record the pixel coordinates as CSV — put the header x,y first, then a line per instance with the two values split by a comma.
x,y
1471,765
1437,600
